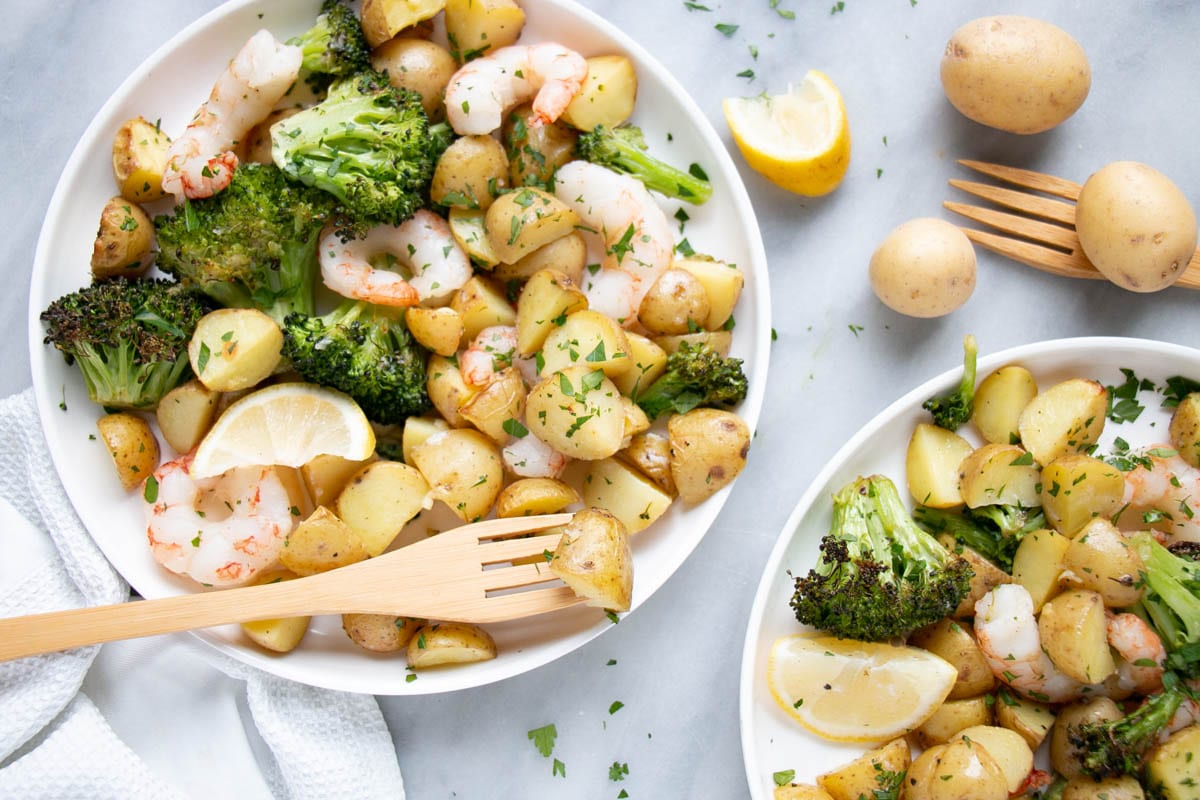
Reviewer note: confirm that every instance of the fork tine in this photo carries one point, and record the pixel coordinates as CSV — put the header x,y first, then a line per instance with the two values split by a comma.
x,y
494,580
1037,181
1021,201
524,604
508,549
1056,235
1046,259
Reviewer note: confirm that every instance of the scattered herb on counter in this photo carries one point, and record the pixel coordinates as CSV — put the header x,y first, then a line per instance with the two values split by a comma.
x,y
753,51
726,29
559,769
622,794
885,141
878,173
774,335
63,403
695,7
856,329
838,7
748,74
612,662
543,738
783,12
616,706
618,771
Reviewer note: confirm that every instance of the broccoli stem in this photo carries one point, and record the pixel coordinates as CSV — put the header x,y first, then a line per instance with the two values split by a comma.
x,y
623,149
1171,601
951,410
1118,747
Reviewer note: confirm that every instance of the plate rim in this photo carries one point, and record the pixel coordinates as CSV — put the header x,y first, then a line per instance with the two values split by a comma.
x,y
819,486
757,344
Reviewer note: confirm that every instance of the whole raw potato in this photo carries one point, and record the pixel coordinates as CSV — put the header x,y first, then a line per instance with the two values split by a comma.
x,y
1017,74
1135,226
924,268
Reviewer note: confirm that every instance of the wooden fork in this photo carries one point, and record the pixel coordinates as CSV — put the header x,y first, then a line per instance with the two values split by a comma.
x,y
456,576
1049,242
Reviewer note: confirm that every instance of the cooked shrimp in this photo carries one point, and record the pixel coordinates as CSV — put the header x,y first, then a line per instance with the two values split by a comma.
x,y
1165,497
422,243
493,350
1140,654
1007,632
638,240
483,89
530,457
218,531
200,163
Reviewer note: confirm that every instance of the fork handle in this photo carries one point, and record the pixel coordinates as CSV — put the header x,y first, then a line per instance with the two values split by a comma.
x,y
62,630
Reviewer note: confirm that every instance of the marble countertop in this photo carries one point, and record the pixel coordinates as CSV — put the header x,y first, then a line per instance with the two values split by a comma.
x,y
839,359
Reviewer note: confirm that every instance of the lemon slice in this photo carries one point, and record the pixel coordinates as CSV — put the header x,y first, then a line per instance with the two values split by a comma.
x,y
800,140
856,691
288,424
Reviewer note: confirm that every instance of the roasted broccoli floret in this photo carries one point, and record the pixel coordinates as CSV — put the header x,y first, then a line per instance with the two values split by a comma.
x,y
696,375
1119,747
334,46
368,144
952,410
879,576
128,338
1171,601
364,351
992,531
623,149
253,245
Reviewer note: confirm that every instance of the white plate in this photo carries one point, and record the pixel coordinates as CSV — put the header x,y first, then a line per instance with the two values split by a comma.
x,y
771,740
170,85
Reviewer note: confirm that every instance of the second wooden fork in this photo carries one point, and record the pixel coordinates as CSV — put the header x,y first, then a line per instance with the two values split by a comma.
x,y
1045,237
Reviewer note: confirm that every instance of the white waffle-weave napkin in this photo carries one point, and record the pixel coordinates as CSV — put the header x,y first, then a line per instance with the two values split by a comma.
x,y
54,741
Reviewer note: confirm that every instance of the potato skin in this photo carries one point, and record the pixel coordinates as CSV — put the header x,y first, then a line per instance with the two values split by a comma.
x,y
676,303
380,633
470,174
438,643
1185,429
420,66
131,444
139,157
860,778
1018,74
999,400
924,268
952,641
1135,226
124,245
595,560
708,450
185,414
1101,560
535,149
955,771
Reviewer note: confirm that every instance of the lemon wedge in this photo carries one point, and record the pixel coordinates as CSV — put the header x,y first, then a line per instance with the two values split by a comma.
x,y
856,691
288,424
800,140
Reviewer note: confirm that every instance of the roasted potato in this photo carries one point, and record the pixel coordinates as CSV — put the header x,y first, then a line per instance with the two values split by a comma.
x,y
447,389
647,362
1077,488
420,66
1100,559
675,303
467,226
931,465
438,643
381,633
954,643
708,450
482,304
999,400
131,444
1185,429
613,486
185,414
999,474
139,157
1074,633
951,717
799,791
578,412
497,406
987,576
722,283
548,298
326,475
380,500
860,778
1171,767
383,19
535,496
585,338
281,635
1064,757
463,469
320,543
472,173
957,770
1125,787
1011,752
416,431
1029,718
476,26
234,348
594,559
524,220
439,329
566,254
607,96
1038,563
1066,418
535,148
124,245
651,454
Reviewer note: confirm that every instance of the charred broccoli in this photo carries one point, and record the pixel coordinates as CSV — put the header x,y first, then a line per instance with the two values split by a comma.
x,y
367,143
952,410
253,245
992,531
334,46
879,576
623,149
365,352
128,338
1171,601
696,375
1119,747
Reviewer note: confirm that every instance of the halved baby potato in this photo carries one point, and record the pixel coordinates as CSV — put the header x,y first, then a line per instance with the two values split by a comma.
x,y
1066,418
594,559
438,643
999,474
